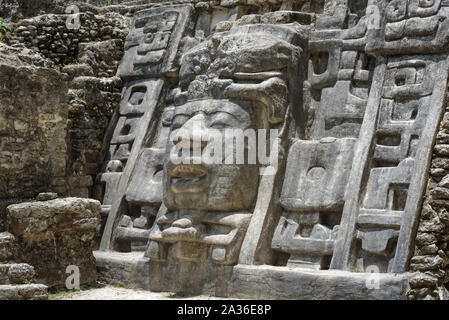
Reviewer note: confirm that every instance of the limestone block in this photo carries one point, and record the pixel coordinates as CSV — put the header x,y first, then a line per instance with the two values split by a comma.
x,y
54,234
7,247
317,174
44,196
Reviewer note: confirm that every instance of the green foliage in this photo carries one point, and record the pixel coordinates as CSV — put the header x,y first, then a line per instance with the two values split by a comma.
x,y
3,28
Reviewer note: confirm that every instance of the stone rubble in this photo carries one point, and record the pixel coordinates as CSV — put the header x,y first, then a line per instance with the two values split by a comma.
x,y
52,235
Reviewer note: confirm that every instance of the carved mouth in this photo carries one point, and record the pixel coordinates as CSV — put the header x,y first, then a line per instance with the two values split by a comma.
x,y
187,178
183,171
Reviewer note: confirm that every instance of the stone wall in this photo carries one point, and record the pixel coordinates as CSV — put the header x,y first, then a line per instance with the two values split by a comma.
x,y
89,56
19,9
52,235
33,123
431,245
50,35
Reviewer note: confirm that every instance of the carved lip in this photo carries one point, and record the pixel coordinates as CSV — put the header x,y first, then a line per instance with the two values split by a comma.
x,y
187,171
187,177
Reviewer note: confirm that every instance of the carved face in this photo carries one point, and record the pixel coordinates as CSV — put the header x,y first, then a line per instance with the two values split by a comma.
x,y
244,71
198,184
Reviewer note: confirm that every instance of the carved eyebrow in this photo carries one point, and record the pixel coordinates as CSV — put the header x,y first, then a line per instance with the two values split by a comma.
x,y
181,113
225,112
189,109
184,114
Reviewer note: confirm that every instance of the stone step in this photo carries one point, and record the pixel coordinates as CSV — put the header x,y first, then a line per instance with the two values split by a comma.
x,y
23,292
16,273
7,246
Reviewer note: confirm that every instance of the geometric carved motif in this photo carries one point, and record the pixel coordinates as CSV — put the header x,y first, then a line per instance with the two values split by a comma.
x,y
132,107
339,80
408,26
356,139
403,112
152,44
151,52
318,167
313,197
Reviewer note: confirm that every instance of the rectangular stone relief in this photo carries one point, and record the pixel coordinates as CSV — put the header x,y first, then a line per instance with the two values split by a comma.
x,y
339,76
151,53
143,196
135,98
125,146
134,104
408,26
312,199
317,173
382,209
151,48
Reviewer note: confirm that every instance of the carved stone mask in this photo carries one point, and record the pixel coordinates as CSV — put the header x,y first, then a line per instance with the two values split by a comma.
x,y
201,185
235,80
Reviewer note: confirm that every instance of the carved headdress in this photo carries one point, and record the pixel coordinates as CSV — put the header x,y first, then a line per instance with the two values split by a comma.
x,y
246,63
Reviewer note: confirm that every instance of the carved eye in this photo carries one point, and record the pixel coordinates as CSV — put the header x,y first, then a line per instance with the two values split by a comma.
x,y
221,120
220,125
179,121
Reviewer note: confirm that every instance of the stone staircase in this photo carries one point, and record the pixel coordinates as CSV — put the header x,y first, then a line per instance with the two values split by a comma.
x,y
16,278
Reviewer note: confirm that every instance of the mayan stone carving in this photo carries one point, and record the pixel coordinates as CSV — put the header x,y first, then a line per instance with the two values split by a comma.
x,y
355,90
252,149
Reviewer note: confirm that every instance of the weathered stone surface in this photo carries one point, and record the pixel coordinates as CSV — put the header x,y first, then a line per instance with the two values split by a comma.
x,y
423,280
352,92
267,282
23,292
94,50
53,235
16,273
130,270
431,238
8,249
33,123
44,196
356,141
